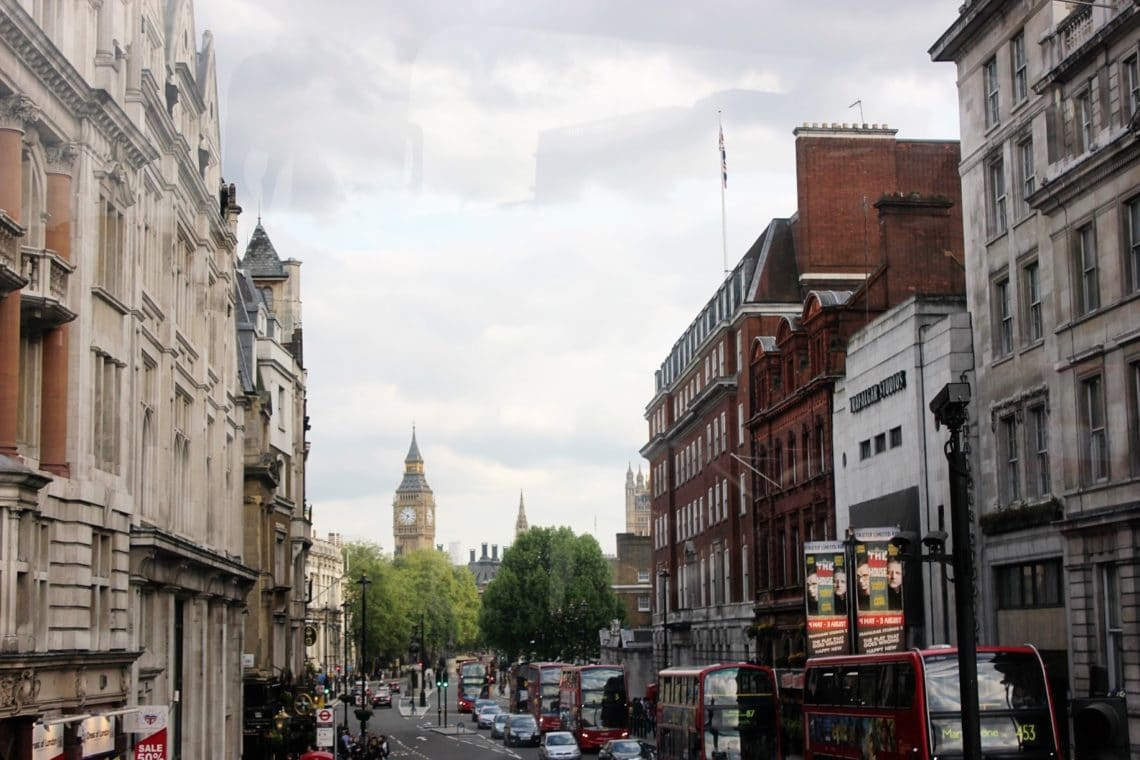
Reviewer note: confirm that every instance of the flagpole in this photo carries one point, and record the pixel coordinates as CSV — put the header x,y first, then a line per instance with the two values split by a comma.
x,y
723,187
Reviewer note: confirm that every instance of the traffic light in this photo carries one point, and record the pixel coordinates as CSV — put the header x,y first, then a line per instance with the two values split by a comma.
x,y
1100,728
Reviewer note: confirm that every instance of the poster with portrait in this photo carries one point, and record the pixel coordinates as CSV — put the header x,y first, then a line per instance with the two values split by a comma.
x,y
878,592
825,598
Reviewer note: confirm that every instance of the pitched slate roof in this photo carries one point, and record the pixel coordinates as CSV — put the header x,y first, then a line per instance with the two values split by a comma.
x,y
261,259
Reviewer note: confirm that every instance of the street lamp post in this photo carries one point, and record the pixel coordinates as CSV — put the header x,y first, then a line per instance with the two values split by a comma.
x,y
950,409
423,663
344,681
663,574
364,582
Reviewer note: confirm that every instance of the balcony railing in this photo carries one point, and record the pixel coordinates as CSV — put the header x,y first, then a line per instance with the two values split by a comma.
x,y
43,300
1074,25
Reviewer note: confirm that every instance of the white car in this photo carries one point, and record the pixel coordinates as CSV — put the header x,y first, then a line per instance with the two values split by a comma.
x,y
559,745
486,715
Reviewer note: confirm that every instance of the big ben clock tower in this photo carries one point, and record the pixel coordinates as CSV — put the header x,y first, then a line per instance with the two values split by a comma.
x,y
413,508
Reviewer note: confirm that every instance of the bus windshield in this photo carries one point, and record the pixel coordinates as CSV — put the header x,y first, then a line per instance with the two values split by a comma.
x,y
739,707
603,698
472,676
549,694
1013,703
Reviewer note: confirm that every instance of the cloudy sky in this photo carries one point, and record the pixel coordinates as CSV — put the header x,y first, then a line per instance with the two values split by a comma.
x,y
508,211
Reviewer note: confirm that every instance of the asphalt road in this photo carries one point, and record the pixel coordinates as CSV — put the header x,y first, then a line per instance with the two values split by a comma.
x,y
417,736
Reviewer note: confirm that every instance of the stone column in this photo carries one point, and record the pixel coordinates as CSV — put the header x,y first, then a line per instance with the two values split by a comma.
x,y
53,417
14,113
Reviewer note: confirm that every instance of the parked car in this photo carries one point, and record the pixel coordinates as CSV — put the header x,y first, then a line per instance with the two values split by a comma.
x,y
381,697
559,745
521,730
621,749
500,725
486,715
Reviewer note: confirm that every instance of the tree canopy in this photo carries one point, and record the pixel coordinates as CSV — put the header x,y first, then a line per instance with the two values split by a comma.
x,y
399,592
550,597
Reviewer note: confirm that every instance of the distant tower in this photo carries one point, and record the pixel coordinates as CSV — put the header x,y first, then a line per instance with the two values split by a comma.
x,y
520,523
413,507
636,503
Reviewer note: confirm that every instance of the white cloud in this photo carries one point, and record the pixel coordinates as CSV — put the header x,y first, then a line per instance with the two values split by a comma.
x,y
508,213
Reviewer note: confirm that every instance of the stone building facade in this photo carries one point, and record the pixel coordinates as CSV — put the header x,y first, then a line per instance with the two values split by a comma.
x,y
1049,97
120,431
277,518
888,458
324,569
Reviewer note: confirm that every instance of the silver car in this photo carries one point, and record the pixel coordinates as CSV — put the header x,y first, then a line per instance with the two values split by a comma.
x,y
559,745
487,715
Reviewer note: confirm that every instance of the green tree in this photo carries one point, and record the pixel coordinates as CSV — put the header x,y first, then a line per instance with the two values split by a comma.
x,y
444,596
550,597
398,592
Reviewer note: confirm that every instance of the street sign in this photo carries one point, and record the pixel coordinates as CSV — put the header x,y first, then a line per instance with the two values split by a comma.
x,y
325,717
325,736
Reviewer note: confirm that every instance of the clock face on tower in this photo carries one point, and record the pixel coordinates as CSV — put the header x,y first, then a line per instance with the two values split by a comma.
x,y
407,515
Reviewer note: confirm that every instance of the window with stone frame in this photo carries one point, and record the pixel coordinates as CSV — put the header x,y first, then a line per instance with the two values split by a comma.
x,y
1032,319
1027,174
1009,460
1083,120
110,271
29,397
996,222
1037,451
1132,246
1094,436
1130,81
106,417
1133,380
1030,585
992,100
1019,63
643,603
1086,285
1110,625
1002,318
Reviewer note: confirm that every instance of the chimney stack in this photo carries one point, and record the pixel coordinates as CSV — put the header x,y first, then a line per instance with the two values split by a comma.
x,y
472,555
495,551
484,551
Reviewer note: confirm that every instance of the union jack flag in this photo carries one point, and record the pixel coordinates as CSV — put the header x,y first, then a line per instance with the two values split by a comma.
x,y
723,161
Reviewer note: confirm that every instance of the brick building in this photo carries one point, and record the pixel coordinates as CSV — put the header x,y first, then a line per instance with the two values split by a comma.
x,y
740,425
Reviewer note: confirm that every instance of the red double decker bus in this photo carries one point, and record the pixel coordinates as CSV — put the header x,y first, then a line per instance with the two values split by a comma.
x,y
472,679
593,704
908,705
541,680
728,711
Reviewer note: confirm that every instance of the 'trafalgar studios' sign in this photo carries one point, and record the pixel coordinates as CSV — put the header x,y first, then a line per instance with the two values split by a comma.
x,y
877,392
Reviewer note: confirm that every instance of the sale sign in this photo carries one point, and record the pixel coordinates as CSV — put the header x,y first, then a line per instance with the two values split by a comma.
x,y
151,721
